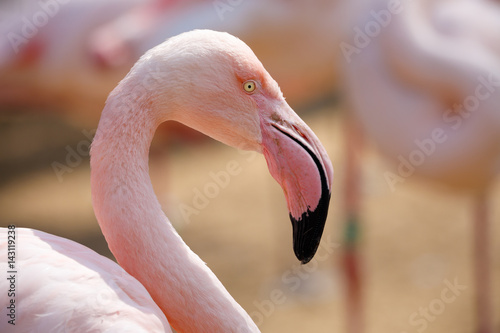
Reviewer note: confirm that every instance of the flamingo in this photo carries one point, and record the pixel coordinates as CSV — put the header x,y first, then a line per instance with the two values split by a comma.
x,y
428,85
45,61
383,106
212,82
73,61
302,64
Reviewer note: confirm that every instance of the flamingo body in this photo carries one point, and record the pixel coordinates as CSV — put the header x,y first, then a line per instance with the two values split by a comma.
x,y
63,286
435,88
427,91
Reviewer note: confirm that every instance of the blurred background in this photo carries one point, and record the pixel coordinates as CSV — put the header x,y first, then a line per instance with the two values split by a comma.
x,y
405,97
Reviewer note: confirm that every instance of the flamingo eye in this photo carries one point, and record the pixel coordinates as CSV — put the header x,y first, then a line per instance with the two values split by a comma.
x,y
249,86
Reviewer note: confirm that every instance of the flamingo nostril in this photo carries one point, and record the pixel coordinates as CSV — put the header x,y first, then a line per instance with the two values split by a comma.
x,y
301,134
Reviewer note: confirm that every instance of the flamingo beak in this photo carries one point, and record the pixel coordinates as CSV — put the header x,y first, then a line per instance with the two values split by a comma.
x,y
299,163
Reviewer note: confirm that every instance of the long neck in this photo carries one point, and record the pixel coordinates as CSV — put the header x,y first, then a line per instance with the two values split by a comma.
x,y
139,234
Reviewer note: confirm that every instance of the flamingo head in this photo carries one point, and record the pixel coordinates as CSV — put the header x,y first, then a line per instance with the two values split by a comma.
x,y
215,84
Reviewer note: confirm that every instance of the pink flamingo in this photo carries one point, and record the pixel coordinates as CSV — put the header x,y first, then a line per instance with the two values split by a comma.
x,y
109,43
78,57
426,89
453,20
302,64
212,82
45,60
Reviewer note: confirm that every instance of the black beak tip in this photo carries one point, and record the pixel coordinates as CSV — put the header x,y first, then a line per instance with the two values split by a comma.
x,y
304,247
308,229
304,261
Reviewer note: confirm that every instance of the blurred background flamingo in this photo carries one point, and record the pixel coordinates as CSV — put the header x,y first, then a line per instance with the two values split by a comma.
x,y
426,91
410,239
45,63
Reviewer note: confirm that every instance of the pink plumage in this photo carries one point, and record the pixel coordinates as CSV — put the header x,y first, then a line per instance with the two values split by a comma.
x,y
212,82
63,286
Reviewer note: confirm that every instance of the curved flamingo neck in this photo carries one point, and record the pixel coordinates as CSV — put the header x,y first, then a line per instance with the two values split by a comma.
x,y
139,234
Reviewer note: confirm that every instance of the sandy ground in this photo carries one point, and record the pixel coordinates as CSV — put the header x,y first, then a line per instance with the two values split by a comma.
x,y
416,241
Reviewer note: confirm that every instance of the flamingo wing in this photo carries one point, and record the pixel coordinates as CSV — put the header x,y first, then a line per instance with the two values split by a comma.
x,y
62,286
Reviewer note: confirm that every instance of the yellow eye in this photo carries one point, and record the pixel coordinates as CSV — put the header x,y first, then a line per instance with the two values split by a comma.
x,y
249,86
